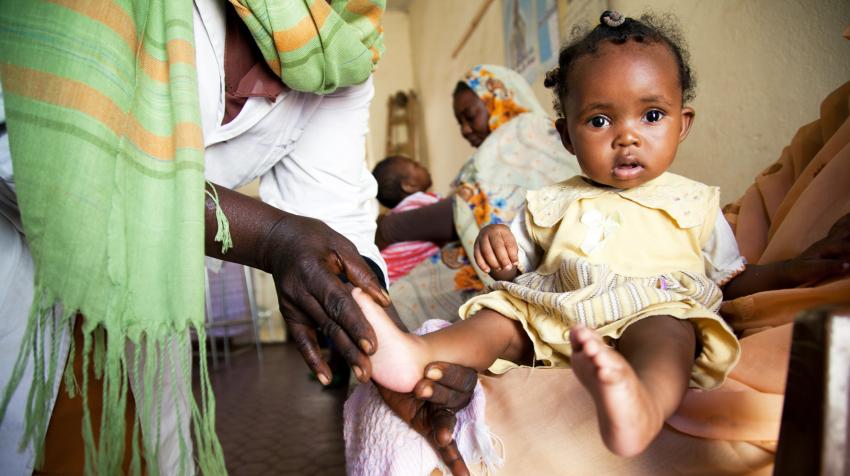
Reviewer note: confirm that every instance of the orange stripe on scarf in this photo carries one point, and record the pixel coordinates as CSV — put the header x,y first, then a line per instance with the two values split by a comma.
x,y
71,94
111,15
304,31
365,8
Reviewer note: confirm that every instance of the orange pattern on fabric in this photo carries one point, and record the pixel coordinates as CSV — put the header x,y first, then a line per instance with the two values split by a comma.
x,y
117,20
466,279
502,111
87,100
497,97
480,206
179,51
108,13
365,8
304,31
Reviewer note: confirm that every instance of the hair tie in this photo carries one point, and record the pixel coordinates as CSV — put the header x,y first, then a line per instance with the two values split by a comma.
x,y
612,18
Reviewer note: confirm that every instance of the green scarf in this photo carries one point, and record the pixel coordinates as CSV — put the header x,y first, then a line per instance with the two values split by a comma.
x,y
107,148
313,46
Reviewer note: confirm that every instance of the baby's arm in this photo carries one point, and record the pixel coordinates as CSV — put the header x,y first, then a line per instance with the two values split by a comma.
x,y
496,252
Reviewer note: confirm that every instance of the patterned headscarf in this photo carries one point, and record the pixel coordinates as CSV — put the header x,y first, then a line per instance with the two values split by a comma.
x,y
504,91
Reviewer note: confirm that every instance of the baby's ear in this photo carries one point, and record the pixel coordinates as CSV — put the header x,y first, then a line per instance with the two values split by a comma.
x,y
410,187
688,115
561,125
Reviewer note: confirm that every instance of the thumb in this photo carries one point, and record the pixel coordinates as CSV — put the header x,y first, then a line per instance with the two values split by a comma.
x,y
361,275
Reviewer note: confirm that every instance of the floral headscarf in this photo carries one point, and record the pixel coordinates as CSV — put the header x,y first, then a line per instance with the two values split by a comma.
x,y
505,93
523,152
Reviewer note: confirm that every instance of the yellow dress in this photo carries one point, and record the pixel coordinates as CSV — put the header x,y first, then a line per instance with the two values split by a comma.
x,y
612,257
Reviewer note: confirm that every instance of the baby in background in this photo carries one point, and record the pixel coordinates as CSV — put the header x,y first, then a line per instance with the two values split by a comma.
x,y
402,186
626,261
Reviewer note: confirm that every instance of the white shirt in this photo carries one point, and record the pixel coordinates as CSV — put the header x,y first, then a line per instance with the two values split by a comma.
x,y
309,151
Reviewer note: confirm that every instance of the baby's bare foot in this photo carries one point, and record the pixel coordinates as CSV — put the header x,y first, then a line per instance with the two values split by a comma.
x,y
400,360
629,419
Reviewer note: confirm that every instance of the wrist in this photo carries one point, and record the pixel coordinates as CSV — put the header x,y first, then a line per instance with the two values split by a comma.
x,y
271,240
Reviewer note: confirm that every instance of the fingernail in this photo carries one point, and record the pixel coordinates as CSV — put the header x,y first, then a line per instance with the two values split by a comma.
x,y
426,392
366,346
434,374
508,268
324,379
358,372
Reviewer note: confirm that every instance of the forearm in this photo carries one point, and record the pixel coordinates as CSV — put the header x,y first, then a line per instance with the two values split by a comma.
x,y
757,278
251,223
433,223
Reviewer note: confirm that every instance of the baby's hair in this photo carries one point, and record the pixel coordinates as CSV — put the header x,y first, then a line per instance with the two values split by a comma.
x,y
613,27
389,180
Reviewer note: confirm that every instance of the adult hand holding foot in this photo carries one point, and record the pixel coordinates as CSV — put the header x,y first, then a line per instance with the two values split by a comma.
x,y
430,408
306,258
424,395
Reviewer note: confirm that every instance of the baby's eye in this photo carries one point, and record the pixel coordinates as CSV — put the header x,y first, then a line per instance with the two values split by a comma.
x,y
654,115
598,121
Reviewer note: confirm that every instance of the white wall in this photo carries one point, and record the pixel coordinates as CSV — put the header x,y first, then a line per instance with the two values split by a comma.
x,y
762,68
394,73
436,27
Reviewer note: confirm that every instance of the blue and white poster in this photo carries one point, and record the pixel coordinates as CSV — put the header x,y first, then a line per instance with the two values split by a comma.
x,y
548,39
532,37
520,37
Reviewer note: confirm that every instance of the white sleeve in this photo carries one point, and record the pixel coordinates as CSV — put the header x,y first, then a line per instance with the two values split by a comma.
x,y
325,176
722,259
529,257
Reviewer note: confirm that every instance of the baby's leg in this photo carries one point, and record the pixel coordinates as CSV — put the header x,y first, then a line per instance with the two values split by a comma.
x,y
476,342
639,387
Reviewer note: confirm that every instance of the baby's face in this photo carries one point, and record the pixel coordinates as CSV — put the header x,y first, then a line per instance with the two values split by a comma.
x,y
624,117
416,177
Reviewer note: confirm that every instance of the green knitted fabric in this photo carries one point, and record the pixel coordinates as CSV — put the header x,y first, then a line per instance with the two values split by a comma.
x,y
107,148
313,46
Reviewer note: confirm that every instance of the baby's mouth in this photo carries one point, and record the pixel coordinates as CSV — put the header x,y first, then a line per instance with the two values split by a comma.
x,y
627,168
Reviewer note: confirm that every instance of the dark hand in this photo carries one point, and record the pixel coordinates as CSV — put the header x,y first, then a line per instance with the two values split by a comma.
x,y
305,257
825,259
430,408
829,258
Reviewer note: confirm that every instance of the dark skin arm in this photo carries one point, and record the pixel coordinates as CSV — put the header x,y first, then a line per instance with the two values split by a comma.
x,y
305,257
432,223
827,259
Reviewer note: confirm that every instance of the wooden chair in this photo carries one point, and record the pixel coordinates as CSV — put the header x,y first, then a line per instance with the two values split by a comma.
x,y
814,437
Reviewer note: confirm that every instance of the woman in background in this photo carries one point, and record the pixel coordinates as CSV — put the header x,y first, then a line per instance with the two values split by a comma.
x,y
517,149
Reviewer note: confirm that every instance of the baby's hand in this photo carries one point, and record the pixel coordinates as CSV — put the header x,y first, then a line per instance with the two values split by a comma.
x,y
496,252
